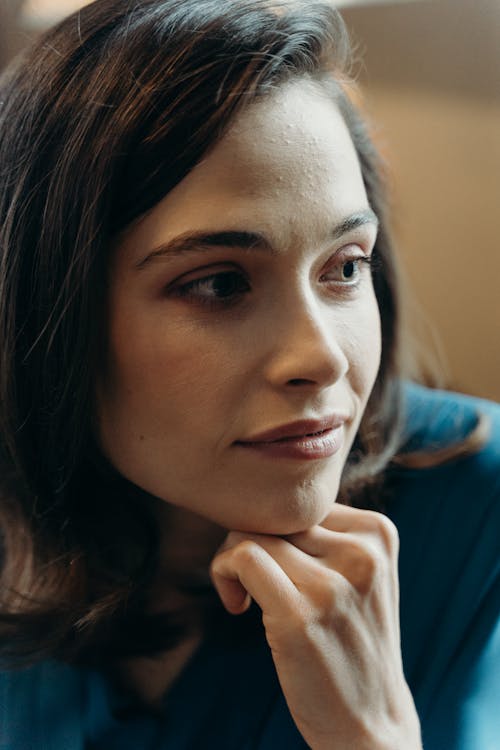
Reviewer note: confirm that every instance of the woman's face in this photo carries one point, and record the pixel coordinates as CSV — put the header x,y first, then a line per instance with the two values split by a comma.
x,y
243,321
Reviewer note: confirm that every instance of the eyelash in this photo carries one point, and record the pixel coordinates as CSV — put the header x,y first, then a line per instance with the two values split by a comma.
x,y
190,290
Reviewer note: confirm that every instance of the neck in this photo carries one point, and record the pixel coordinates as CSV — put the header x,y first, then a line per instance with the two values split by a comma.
x,y
181,588
188,543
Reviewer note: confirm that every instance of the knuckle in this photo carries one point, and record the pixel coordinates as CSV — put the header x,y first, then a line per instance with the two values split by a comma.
x,y
247,552
330,599
366,563
336,606
358,550
366,571
386,531
326,595
371,564
213,568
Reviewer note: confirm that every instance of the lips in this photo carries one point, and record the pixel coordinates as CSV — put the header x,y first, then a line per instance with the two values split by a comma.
x,y
296,430
308,439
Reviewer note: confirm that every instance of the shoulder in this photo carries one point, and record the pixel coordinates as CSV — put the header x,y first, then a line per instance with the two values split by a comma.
x,y
438,422
41,706
456,501
448,516
434,418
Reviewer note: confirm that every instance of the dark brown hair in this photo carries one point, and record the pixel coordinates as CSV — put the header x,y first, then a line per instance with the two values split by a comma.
x,y
98,121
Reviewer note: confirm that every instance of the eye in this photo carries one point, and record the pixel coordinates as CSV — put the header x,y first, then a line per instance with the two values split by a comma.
x,y
223,287
346,271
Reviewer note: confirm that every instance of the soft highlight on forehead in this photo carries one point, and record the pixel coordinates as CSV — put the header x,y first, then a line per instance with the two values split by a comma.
x,y
287,137
282,138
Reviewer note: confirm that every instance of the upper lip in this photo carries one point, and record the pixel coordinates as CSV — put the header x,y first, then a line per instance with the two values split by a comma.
x,y
299,429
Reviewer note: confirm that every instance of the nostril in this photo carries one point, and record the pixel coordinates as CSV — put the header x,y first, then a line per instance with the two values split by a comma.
x,y
299,381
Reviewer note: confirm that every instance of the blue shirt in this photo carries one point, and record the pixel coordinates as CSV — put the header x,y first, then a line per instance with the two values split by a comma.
x,y
228,696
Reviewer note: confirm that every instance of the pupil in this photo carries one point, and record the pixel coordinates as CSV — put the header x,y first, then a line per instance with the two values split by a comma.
x,y
225,284
349,270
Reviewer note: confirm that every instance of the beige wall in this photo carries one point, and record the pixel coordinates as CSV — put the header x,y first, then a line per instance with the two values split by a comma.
x,y
445,152
432,84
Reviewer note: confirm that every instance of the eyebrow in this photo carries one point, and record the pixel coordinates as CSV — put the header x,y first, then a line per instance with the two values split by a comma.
x,y
198,241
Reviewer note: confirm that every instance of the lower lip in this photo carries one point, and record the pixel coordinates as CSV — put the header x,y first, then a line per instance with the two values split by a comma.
x,y
306,448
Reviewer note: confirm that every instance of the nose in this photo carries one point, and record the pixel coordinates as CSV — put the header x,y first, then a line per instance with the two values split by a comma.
x,y
307,349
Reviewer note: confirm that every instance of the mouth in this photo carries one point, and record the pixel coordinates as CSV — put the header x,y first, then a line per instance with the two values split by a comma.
x,y
305,440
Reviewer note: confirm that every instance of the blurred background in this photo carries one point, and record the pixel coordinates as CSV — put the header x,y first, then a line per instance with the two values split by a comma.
x,y
429,73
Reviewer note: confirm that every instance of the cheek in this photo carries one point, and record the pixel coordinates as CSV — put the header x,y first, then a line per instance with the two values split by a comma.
x,y
364,346
170,372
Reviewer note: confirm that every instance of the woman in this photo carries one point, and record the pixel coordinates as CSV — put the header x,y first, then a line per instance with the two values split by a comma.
x,y
200,373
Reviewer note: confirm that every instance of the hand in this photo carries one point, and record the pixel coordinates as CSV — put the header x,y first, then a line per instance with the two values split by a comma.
x,y
330,605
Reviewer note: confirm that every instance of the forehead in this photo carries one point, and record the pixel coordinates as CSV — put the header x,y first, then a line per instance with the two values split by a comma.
x,y
294,135
286,166
297,129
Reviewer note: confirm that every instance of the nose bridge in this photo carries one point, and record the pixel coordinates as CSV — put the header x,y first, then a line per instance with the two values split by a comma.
x,y
306,347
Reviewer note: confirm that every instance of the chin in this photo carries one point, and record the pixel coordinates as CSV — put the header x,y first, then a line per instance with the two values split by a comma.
x,y
295,513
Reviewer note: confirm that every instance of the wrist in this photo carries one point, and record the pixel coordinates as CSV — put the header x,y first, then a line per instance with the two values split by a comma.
x,y
404,734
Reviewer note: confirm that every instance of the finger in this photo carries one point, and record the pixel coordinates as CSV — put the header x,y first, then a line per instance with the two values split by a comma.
x,y
249,570
316,541
346,518
361,558
377,526
296,562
